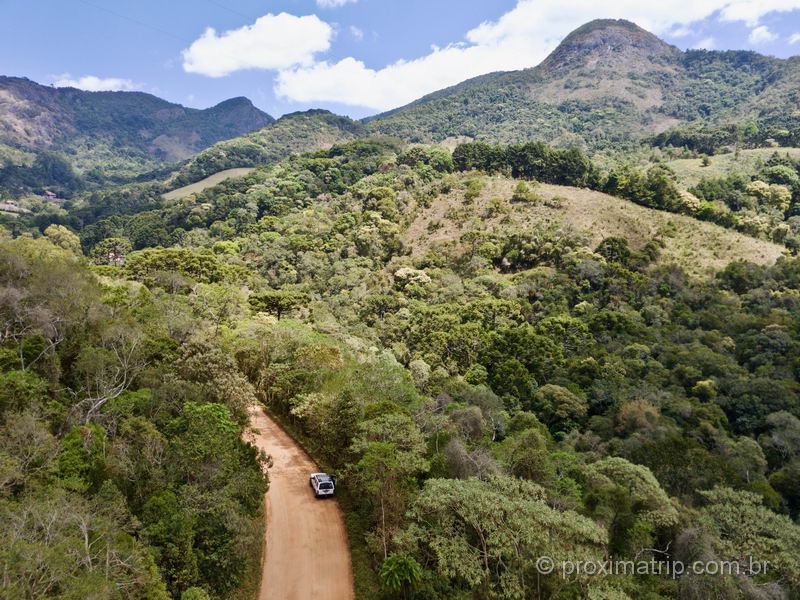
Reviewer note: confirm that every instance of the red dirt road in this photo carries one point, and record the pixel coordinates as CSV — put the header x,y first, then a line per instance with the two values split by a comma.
x,y
307,554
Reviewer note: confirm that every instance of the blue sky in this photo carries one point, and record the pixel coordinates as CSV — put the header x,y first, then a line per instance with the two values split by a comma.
x,y
355,57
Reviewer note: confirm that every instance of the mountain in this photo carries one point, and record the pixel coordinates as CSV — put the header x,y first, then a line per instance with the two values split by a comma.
x,y
112,134
608,83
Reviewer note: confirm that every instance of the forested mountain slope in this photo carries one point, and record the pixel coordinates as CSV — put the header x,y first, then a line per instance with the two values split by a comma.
x,y
293,133
505,352
102,135
495,383
610,83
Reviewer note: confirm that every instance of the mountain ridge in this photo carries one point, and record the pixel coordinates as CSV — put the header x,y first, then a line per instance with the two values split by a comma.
x,y
609,84
96,128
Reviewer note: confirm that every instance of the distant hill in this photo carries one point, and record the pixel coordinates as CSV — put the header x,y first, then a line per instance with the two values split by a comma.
x,y
611,83
292,133
108,135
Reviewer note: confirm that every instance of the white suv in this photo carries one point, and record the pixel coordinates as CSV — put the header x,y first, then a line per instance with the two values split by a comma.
x,y
322,484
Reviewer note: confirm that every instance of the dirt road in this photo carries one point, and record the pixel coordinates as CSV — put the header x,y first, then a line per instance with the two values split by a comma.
x,y
306,555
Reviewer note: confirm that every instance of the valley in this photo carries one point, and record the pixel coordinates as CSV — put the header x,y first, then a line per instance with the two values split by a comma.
x,y
548,313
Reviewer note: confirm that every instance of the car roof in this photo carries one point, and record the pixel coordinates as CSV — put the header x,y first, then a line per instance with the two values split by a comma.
x,y
321,476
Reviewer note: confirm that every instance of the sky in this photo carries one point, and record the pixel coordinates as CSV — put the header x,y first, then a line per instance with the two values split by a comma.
x,y
354,57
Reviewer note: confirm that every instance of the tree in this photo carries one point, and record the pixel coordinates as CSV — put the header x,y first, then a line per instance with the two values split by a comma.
x,y
59,544
37,315
772,195
109,370
745,530
111,251
63,238
278,302
526,456
615,249
391,450
662,188
488,535
201,266
558,407
400,573
480,156
628,499
436,157
781,442
21,390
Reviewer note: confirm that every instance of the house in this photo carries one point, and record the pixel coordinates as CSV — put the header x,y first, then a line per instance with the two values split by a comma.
x,y
49,194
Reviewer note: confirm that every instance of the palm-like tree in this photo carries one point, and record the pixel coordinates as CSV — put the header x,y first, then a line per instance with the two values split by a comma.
x,y
400,573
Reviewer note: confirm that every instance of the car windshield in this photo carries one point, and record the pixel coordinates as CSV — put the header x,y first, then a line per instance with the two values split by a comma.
x,y
326,486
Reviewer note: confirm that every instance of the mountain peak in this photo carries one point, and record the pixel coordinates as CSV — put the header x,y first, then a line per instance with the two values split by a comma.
x,y
608,42
232,103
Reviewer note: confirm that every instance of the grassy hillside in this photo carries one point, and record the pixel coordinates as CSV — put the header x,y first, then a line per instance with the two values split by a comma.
x,y
698,248
745,162
210,181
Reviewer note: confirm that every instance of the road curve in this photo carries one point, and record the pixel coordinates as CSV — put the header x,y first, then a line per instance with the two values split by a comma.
x,y
306,551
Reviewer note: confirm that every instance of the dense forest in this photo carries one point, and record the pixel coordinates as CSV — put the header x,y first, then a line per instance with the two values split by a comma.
x,y
122,470
485,401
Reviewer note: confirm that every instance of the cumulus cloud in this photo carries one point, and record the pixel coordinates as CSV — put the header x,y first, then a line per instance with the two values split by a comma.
x,y
751,11
334,3
272,42
794,38
91,83
520,38
761,35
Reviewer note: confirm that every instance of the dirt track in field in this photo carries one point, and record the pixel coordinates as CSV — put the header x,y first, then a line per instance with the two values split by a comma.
x,y
306,555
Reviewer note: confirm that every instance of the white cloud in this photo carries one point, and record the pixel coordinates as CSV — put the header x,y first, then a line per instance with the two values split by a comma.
x,y
751,11
761,35
680,31
91,83
334,3
358,34
272,42
794,38
706,44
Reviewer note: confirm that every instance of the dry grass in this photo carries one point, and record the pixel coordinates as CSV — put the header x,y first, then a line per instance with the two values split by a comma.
x,y
698,247
210,181
691,170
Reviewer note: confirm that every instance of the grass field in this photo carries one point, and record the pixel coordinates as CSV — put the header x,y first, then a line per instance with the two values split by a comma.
x,y
691,170
697,246
208,182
